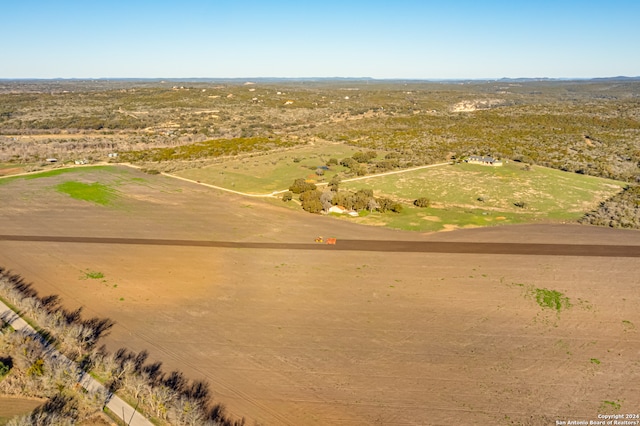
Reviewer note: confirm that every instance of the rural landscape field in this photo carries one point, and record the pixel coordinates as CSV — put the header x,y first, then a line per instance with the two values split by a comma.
x,y
195,215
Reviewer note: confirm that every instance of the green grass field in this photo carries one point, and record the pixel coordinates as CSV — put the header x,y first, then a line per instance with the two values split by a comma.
x,y
462,195
465,195
262,174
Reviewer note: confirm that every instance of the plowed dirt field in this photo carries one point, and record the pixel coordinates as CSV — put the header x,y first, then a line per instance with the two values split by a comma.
x,y
364,332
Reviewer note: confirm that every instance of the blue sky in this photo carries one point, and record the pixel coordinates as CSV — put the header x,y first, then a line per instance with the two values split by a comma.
x,y
380,39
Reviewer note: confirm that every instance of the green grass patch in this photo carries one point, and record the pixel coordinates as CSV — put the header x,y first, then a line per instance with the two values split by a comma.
x,y
265,173
94,275
628,325
94,192
52,173
610,405
551,299
543,190
467,195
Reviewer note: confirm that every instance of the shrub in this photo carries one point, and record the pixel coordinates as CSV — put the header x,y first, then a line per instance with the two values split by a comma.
x,y
348,162
386,204
287,196
422,202
334,183
300,185
344,199
311,201
364,157
5,366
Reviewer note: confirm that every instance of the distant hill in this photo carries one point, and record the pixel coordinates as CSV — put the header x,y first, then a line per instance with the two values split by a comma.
x,y
217,80
598,79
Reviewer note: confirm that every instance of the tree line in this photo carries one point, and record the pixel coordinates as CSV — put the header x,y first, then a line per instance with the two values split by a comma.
x,y
28,369
620,211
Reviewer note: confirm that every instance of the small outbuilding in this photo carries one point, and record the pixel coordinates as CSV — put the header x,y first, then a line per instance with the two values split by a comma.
x,y
337,209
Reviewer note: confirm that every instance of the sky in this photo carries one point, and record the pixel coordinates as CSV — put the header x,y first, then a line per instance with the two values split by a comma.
x,y
392,39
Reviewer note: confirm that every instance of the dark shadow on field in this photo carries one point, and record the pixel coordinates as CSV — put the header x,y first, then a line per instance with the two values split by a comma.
x,y
452,247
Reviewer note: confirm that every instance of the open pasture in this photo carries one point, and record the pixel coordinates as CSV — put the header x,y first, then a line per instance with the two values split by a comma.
x,y
462,195
265,173
469,195
325,337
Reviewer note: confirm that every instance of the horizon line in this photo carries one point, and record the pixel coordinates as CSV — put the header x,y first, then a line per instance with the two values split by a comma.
x,y
361,78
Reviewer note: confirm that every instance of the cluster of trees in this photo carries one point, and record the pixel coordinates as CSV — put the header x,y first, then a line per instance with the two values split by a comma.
x,y
28,368
620,211
315,201
364,162
301,185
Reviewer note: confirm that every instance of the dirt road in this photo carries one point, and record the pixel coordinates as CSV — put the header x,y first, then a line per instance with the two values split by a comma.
x,y
276,193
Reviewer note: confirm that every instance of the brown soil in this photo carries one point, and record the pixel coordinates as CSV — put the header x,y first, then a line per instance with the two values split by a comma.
x,y
11,406
11,171
294,335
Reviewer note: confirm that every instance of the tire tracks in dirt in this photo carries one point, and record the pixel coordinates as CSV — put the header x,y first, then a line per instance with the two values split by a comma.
x,y
217,381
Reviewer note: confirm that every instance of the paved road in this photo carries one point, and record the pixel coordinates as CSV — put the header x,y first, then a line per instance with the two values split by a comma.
x,y
533,249
115,404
